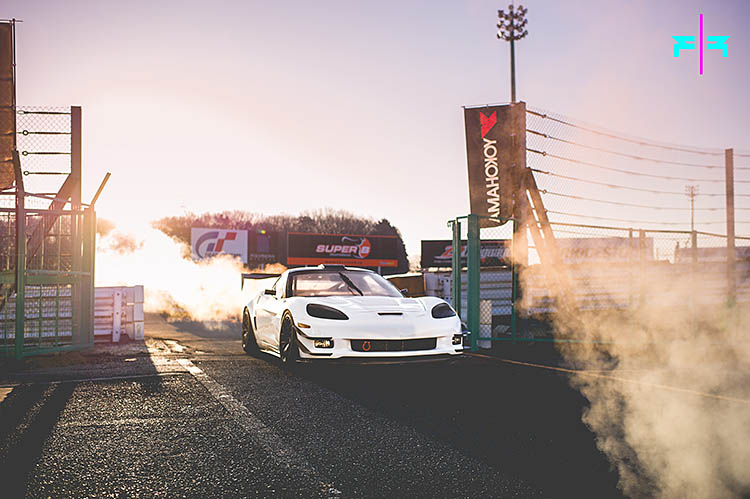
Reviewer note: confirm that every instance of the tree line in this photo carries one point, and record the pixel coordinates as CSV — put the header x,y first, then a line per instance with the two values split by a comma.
x,y
326,221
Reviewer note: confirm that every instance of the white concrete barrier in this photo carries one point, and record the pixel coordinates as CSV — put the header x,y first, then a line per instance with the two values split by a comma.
x,y
118,311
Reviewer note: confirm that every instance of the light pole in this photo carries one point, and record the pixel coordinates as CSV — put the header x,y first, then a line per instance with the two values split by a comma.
x,y
511,28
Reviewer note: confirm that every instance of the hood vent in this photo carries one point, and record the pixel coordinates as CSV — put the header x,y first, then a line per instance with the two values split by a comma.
x,y
390,313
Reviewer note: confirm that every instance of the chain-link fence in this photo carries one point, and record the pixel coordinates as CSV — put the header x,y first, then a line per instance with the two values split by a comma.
x,y
47,250
587,174
508,292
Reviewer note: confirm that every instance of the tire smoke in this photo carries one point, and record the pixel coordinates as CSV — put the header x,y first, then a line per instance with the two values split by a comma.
x,y
175,285
668,383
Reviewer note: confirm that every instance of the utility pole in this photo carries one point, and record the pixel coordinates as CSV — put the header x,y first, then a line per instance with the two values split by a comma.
x,y
731,256
511,28
692,192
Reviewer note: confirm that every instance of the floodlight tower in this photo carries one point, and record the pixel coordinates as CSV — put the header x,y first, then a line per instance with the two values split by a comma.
x,y
511,28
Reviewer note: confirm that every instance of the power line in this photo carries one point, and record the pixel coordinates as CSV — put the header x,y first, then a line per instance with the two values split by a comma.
x,y
642,142
625,155
619,203
617,186
629,172
579,215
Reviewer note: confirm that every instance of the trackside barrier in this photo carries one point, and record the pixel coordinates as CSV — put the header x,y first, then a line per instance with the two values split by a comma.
x,y
118,311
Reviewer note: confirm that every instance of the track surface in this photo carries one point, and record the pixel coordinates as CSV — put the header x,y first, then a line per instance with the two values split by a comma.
x,y
189,414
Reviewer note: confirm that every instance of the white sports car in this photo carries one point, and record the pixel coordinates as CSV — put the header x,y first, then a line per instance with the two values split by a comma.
x,y
334,313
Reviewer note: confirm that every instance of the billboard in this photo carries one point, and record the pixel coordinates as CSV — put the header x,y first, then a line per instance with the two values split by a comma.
x,y
205,243
439,253
576,250
496,153
343,249
718,255
7,101
263,247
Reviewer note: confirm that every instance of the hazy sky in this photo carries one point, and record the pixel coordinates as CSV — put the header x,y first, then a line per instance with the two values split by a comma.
x,y
279,107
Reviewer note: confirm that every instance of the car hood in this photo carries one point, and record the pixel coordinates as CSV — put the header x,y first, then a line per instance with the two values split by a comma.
x,y
370,303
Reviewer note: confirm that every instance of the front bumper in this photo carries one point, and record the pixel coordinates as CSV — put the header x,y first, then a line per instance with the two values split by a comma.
x,y
381,361
342,350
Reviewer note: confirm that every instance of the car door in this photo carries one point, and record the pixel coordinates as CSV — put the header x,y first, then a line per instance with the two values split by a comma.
x,y
262,316
271,308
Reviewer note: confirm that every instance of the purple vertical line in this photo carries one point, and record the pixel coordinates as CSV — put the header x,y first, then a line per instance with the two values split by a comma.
x,y
701,44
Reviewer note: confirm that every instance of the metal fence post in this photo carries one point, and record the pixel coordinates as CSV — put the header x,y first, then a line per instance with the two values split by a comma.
x,y
473,259
642,266
514,281
456,266
20,257
20,276
631,248
693,269
86,301
731,257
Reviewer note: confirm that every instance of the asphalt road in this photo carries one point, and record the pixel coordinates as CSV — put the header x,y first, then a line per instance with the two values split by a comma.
x,y
189,414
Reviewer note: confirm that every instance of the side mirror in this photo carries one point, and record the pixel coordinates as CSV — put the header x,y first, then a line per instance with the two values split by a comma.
x,y
404,292
271,292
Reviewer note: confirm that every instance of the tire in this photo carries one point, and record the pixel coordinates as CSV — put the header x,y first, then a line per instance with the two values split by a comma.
x,y
249,343
288,348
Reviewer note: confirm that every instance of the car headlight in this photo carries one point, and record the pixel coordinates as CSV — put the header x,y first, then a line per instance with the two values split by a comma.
x,y
442,310
325,312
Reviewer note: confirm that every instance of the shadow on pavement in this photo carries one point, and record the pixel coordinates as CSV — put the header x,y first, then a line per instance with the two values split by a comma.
x,y
27,418
519,420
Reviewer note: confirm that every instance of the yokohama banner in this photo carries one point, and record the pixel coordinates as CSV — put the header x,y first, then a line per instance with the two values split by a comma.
x,y
7,101
496,153
344,249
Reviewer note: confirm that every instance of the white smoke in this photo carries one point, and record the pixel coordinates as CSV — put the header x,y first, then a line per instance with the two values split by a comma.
x,y
174,284
668,385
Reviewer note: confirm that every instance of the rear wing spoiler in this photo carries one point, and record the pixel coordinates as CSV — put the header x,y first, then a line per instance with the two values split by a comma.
x,y
256,275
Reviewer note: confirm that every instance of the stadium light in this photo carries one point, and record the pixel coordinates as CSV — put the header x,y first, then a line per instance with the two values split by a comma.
x,y
511,27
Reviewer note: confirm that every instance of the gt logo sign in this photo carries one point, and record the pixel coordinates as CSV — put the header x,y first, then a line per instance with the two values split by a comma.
x,y
206,243
213,247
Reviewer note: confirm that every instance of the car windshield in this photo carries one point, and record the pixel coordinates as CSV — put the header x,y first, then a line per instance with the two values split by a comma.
x,y
340,283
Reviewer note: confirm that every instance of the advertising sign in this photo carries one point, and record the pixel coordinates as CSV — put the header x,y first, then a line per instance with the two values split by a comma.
x,y
718,255
205,243
439,253
576,250
263,247
7,101
496,152
343,249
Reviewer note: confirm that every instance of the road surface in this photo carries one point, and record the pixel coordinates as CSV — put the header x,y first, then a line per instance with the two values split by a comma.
x,y
189,414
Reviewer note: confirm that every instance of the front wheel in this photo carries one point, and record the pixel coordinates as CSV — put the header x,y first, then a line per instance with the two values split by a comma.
x,y
249,344
288,348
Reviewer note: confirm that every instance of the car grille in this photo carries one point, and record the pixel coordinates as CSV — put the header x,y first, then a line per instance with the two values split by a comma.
x,y
394,345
